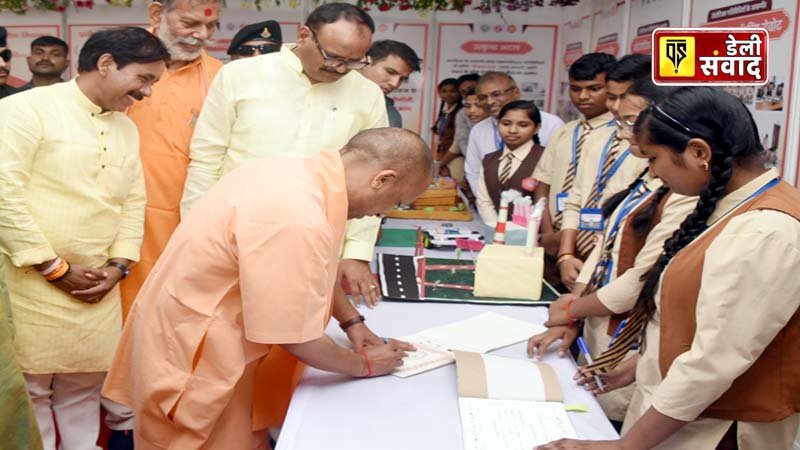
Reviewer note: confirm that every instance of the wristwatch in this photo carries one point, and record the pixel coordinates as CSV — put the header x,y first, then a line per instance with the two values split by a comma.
x,y
122,268
349,323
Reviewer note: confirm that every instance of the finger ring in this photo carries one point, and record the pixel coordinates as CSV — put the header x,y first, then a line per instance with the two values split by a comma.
x,y
372,286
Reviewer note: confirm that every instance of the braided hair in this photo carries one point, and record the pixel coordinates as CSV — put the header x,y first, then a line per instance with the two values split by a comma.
x,y
642,221
727,126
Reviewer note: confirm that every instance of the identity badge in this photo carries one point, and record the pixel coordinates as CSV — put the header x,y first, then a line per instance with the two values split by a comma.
x,y
591,219
561,201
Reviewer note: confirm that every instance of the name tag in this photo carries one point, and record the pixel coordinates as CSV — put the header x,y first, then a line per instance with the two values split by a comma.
x,y
591,219
561,200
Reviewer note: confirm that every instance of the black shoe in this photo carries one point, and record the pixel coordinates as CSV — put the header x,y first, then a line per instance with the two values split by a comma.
x,y
120,440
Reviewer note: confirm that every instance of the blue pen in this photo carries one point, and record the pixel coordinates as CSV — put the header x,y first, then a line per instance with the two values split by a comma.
x,y
585,350
616,333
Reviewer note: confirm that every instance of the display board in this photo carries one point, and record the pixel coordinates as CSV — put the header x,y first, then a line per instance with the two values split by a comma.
x,y
647,15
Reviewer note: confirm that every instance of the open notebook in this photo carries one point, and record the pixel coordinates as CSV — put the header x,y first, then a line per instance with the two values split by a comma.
x,y
508,403
482,333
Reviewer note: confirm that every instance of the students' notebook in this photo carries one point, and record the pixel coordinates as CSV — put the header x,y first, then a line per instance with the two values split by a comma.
x,y
482,333
509,403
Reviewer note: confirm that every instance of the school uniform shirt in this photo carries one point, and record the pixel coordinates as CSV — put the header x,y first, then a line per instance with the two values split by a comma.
x,y
586,179
555,162
484,202
737,314
620,293
483,139
71,185
245,117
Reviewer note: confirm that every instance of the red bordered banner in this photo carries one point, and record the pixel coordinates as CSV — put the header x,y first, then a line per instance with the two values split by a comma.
x,y
700,56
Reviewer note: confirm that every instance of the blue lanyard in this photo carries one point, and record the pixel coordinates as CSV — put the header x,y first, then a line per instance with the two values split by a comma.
x,y
755,194
763,189
575,146
602,179
498,140
628,206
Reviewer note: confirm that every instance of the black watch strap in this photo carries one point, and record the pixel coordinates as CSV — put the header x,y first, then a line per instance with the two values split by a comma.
x,y
122,268
349,323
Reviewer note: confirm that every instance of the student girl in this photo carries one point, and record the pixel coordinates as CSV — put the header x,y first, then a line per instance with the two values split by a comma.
x,y
445,126
718,314
512,167
451,163
637,222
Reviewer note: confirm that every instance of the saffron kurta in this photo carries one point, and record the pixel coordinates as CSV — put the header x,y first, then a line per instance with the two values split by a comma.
x,y
252,265
70,185
166,121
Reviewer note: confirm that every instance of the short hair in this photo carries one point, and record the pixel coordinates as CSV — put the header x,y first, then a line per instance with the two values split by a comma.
x,y
590,65
494,75
127,45
49,41
470,91
468,77
628,68
383,49
448,82
333,12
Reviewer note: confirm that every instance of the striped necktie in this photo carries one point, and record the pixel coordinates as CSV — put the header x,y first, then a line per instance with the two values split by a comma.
x,y
585,241
505,172
629,337
599,275
569,179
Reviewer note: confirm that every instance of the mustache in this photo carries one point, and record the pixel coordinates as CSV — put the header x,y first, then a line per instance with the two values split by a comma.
x,y
192,41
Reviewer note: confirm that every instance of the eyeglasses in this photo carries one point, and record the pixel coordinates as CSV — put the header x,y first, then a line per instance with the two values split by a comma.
x,y
6,55
249,50
496,95
335,62
625,124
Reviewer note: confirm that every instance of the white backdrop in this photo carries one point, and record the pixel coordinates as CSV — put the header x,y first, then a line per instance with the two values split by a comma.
x,y
610,25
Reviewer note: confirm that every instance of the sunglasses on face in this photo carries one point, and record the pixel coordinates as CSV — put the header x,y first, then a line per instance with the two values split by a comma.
x,y
6,55
249,50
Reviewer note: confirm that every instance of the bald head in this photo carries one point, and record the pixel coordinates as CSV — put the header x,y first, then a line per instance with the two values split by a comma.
x,y
384,167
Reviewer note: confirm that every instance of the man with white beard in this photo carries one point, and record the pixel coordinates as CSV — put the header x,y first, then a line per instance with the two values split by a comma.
x,y
166,123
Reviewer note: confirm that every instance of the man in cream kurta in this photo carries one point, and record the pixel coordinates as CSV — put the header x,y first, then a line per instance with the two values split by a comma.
x,y
72,192
293,103
266,106
730,326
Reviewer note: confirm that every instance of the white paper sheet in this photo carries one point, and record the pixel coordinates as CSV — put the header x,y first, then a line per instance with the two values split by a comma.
x,y
511,425
482,333
428,356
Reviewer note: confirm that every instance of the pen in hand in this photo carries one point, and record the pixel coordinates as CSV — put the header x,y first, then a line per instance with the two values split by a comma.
x,y
585,350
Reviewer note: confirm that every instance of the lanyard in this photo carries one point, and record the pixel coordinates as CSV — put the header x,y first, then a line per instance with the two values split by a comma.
x,y
602,179
498,140
636,196
755,194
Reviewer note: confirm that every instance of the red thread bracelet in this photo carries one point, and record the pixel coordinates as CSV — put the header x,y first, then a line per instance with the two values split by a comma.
x,y
572,319
369,363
